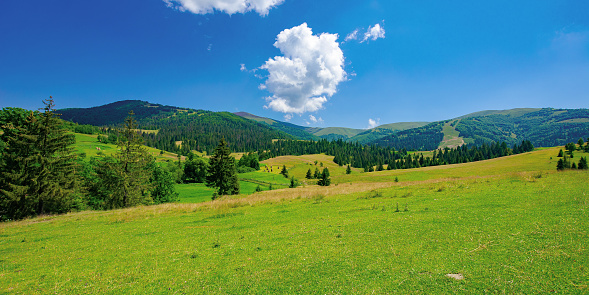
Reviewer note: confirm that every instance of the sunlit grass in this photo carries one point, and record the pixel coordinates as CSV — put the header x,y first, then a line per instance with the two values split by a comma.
x,y
508,225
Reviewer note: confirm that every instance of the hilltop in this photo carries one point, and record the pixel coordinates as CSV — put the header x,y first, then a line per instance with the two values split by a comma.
x,y
200,130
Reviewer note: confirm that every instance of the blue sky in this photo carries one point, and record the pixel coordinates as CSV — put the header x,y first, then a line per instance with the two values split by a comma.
x,y
286,59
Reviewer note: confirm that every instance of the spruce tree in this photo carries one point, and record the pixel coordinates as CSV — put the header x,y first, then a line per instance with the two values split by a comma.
x,y
317,174
325,180
125,177
560,154
284,172
583,164
222,172
38,167
560,165
348,170
309,176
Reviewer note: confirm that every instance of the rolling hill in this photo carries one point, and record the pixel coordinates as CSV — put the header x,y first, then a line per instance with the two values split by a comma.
x,y
200,130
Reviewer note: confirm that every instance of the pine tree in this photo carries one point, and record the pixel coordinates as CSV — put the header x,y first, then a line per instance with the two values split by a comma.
x,y
560,154
325,180
284,172
125,178
317,174
309,176
348,170
222,172
38,167
293,183
560,165
583,164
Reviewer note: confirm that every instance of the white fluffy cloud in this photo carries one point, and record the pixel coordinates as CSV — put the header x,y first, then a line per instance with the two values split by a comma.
x,y
227,6
374,33
373,123
308,72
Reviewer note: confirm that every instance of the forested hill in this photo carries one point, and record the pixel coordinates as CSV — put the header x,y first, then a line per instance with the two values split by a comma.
x,y
543,127
116,112
180,129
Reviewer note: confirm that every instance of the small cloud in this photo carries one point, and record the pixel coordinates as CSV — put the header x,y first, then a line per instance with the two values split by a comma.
x,y
315,119
352,36
262,7
210,47
373,123
287,117
374,33
242,68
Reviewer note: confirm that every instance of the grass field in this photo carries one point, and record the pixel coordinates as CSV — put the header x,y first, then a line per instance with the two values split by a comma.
x,y
508,225
89,145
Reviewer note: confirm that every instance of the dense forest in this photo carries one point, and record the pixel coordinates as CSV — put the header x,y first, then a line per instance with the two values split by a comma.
x,y
545,127
424,138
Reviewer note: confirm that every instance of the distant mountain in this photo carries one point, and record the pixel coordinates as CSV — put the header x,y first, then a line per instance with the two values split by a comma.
x,y
181,129
297,131
543,127
371,135
116,112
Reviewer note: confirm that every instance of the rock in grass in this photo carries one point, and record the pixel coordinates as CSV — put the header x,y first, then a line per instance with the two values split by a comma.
x,y
456,276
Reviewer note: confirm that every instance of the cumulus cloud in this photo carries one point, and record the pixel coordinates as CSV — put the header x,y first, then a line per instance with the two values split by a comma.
x,y
242,68
287,117
373,123
262,7
308,72
352,36
374,33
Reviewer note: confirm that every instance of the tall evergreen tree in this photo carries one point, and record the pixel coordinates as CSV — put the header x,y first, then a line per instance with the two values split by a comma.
x,y
222,172
38,167
583,164
325,180
317,174
125,178
348,169
309,175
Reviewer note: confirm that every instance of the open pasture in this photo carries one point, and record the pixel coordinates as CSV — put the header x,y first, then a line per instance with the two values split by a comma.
x,y
508,225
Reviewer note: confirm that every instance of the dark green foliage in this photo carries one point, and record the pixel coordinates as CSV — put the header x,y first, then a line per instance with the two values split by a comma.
x,y
222,173
293,183
249,160
379,167
309,175
544,127
317,174
583,164
124,179
163,185
423,138
570,148
38,164
348,169
580,142
258,189
574,166
195,170
284,172
324,180
560,154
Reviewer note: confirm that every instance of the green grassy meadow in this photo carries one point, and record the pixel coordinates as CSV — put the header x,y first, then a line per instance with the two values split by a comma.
x,y
507,225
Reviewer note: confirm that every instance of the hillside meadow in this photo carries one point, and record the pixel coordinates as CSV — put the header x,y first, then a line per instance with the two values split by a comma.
x,y
507,225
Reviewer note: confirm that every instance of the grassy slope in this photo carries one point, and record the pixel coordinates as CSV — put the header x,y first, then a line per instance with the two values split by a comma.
x,y
509,225
452,137
88,144
348,132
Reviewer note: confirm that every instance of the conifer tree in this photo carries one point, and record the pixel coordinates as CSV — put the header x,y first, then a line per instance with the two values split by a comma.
x,y
348,169
222,172
560,154
309,176
325,180
38,167
583,164
317,174
284,172
125,177
560,165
